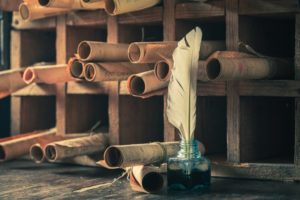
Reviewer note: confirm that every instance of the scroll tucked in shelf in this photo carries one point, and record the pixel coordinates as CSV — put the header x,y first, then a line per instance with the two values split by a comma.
x,y
11,81
14,147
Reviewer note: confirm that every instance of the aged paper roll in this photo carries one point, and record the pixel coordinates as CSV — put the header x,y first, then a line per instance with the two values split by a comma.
x,y
76,147
15,147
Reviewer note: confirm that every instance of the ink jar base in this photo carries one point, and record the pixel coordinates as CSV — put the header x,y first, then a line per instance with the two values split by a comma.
x,y
189,171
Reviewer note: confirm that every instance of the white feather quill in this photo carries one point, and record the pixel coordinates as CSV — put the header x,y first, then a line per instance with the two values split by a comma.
x,y
182,96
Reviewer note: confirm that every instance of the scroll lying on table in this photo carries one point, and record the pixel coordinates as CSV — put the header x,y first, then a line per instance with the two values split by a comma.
x,y
142,154
148,179
68,149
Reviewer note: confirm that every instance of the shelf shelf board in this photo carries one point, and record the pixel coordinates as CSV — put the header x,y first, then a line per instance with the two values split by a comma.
x,y
87,18
211,9
19,24
36,90
88,88
267,7
274,88
269,171
152,15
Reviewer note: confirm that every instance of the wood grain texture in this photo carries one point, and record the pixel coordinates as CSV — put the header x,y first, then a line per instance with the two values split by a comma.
x,y
37,113
263,118
169,25
275,88
279,172
82,88
36,90
152,15
96,18
61,58
262,7
297,100
113,98
84,111
210,9
141,120
233,99
10,5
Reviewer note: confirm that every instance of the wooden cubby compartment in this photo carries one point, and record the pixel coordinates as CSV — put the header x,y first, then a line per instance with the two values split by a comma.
x,y
267,133
32,111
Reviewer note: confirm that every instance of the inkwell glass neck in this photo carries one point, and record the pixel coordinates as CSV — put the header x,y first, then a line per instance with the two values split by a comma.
x,y
189,149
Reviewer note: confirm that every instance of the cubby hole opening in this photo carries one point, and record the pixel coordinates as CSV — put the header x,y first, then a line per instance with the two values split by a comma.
x,y
37,113
211,126
85,111
140,33
267,129
211,29
270,36
5,117
37,46
141,120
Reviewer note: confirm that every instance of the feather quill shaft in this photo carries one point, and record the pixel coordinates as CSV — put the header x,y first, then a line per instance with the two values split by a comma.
x,y
182,96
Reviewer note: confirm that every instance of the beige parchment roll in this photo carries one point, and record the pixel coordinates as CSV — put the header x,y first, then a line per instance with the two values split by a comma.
x,y
49,74
148,179
142,154
144,83
76,68
248,68
151,52
15,147
112,71
102,52
76,147
11,81
116,7
92,4
31,10
36,151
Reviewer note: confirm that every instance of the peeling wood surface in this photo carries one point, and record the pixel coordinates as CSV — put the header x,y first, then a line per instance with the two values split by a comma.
x,y
23,179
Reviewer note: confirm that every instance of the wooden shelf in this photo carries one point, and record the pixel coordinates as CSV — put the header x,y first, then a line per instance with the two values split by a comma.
x,y
211,9
36,90
268,7
88,88
87,18
149,16
19,24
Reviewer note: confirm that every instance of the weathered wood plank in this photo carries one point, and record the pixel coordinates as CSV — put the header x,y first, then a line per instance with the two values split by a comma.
x,y
114,98
148,16
279,172
87,18
37,90
88,88
297,100
274,88
61,58
262,7
233,99
10,5
169,35
41,24
209,9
